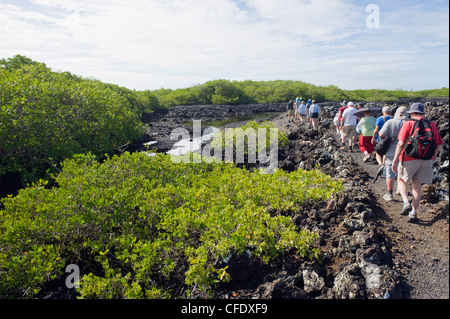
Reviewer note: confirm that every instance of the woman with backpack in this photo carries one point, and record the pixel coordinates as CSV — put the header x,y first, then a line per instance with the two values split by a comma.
x,y
413,160
290,110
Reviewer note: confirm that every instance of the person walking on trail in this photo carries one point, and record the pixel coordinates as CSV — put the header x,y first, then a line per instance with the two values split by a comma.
x,y
359,106
314,113
387,111
365,127
302,111
337,125
348,126
308,106
341,111
298,102
290,110
390,130
412,169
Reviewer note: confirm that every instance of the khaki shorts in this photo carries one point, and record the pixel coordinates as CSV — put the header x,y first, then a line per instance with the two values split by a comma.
x,y
417,171
349,131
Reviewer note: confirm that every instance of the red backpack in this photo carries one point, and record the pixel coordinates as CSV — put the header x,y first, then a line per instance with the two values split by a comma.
x,y
421,143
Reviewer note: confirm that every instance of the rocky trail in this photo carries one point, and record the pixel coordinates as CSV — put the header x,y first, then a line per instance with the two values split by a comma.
x,y
368,250
420,251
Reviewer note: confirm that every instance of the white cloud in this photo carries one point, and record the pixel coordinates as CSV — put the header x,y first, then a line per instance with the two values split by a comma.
x,y
178,43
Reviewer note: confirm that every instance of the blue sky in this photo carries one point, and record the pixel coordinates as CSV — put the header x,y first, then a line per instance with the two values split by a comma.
x,y
152,44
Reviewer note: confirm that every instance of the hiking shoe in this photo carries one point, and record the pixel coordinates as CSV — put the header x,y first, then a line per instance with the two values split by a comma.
x,y
342,147
388,197
380,169
366,158
406,209
413,217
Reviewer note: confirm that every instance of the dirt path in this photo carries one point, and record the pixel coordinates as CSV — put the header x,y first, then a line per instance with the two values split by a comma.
x,y
421,250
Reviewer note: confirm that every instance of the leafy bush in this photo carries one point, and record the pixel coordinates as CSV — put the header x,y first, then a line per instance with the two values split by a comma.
x,y
244,92
140,101
247,150
47,116
211,92
142,227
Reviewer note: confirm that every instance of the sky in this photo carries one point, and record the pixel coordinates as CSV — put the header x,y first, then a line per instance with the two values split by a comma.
x,y
153,44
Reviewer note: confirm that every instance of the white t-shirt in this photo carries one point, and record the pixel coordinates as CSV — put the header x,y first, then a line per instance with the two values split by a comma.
x,y
349,118
302,109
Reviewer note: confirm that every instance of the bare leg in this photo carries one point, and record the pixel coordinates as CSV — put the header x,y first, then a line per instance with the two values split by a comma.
x,y
379,159
390,184
403,190
416,194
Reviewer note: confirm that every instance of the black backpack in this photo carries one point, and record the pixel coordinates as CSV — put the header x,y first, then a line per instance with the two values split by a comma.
x,y
382,145
421,143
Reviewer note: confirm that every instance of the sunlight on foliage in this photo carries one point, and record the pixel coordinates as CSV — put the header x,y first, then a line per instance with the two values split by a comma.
x,y
48,116
138,223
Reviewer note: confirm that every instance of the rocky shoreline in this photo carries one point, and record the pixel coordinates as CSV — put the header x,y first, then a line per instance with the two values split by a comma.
x,y
161,123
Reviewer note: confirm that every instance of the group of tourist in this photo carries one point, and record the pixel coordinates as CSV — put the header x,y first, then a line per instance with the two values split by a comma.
x,y
303,112
352,120
355,120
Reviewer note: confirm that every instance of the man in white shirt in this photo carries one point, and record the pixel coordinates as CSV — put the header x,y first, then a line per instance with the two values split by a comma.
x,y
348,126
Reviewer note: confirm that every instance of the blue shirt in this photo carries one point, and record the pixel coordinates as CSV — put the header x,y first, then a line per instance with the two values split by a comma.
x,y
314,109
380,122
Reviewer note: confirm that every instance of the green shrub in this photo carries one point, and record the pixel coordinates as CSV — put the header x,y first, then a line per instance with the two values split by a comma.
x,y
241,137
150,224
279,91
47,116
